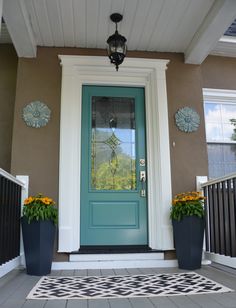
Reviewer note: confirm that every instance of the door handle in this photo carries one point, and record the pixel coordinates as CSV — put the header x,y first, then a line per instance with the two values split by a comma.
x,y
143,176
143,180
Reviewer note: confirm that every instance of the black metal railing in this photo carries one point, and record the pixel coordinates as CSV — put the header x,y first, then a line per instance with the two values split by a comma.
x,y
220,206
10,211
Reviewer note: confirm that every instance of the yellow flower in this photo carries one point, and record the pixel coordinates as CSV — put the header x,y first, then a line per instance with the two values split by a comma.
x,y
175,201
28,200
46,200
188,197
39,199
39,207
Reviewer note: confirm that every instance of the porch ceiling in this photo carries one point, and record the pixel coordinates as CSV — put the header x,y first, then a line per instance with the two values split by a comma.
x,y
188,26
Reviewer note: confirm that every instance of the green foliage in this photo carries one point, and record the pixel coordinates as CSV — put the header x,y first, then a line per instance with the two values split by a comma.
x,y
189,209
187,204
40,208
124,177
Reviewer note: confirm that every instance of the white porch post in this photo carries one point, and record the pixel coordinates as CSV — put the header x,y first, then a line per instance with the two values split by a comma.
x,y
24,194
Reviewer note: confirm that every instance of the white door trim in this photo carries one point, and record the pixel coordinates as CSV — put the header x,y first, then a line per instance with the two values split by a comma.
x,y
148,73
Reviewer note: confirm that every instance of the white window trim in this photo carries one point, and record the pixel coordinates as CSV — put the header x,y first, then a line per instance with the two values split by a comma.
x,y
221,96
149,73
221,142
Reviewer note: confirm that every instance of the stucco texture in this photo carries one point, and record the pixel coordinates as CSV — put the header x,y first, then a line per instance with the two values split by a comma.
x,y
219,73
35,152
8,69
188,150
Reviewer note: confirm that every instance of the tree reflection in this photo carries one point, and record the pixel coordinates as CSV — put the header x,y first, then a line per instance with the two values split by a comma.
x,y
111,167
123,179
233,122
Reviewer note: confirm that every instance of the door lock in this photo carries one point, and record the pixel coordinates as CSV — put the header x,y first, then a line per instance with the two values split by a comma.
x,y
143,180
142,162
143,176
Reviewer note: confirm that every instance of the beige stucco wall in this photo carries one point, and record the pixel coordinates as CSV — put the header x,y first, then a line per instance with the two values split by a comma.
x,y
36,151
219,73
188,150
8,69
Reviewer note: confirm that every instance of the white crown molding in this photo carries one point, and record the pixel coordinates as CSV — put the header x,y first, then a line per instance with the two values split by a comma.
x,y
219,95
129,63
226,47
228,39
213,27
150,74
19,28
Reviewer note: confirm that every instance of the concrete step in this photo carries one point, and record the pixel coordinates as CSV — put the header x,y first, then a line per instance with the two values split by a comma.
x,y
116,260
117,257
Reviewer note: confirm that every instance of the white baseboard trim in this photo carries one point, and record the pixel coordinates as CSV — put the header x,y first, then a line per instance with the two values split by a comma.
x,y
224,260
206,262
9,266
113,264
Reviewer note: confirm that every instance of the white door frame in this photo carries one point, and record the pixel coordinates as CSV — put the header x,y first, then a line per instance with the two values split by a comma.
x,y
147,73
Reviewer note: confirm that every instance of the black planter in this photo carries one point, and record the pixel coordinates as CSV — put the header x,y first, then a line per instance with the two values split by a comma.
x,y
38,238
188,240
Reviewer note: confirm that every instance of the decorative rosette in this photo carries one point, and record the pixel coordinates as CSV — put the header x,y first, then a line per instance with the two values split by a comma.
x,y
36,114
187,119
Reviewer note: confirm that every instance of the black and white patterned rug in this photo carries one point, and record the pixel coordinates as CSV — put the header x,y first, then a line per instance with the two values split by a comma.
x,y
90,287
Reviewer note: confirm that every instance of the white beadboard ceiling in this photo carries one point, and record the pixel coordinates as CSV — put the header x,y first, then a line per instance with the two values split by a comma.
x,y
163,25
148,25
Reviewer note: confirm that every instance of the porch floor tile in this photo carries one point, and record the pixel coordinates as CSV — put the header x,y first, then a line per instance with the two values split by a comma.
x,y
15,286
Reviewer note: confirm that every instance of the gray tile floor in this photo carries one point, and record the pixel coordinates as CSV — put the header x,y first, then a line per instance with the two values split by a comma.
x,y
15,286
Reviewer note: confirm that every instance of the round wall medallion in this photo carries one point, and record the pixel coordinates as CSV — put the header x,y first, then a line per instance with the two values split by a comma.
x,y
36,114
187,119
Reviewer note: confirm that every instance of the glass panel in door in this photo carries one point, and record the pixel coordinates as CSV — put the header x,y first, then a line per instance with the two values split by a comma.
x,y
113,157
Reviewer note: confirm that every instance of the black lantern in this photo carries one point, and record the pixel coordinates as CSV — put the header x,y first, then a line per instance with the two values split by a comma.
x,y
116,44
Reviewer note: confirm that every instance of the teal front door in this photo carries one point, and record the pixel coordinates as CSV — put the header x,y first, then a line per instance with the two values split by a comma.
x,y
113,167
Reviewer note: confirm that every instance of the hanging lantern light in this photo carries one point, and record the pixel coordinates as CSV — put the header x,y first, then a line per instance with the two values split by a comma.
x,y
116,43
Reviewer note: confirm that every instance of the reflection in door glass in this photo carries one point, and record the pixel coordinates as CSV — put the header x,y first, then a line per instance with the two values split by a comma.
x,y
113,157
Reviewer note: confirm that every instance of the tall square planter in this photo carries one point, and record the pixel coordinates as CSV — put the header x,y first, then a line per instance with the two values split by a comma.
x,y
38,238
188,241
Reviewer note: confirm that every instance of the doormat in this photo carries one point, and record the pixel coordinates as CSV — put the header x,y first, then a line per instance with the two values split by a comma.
x,y
91,287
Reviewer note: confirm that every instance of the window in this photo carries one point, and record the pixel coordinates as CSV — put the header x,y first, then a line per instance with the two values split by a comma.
x,y
220,123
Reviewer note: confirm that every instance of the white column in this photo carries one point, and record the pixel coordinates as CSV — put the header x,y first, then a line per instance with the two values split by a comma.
x,y
24,194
